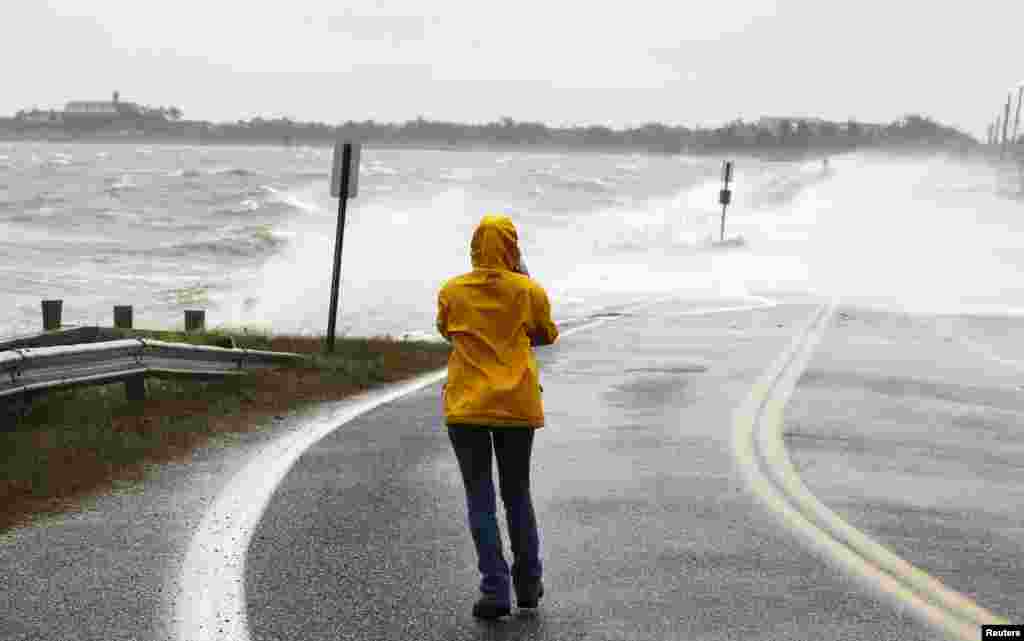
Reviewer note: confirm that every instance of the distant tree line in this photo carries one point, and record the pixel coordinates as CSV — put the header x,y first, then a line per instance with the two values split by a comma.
x,y
795,135
779,135
504,132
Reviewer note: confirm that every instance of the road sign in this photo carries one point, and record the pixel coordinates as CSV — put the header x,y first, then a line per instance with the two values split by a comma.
x,y
724,195
344,178
338,168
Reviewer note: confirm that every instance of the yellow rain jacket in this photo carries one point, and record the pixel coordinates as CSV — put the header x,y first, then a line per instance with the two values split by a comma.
x,y
492,315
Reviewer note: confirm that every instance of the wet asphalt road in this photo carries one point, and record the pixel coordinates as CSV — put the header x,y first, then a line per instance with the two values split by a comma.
x,y
646,529
908,428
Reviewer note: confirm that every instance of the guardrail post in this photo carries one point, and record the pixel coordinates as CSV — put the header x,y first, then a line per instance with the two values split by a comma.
x,y
195,320
14,409
135,387
51,314
123,316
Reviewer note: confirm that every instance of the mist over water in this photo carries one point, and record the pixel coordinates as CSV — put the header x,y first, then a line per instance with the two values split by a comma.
x,y
248,233
928,236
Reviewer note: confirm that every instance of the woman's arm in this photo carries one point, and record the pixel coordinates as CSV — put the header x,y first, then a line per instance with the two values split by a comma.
x,y
544,330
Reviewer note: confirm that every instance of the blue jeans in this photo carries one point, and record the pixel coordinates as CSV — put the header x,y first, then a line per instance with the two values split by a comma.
x,y
512,446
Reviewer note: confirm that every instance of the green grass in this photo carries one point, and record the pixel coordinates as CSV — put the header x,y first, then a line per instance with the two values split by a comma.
x,y
78,441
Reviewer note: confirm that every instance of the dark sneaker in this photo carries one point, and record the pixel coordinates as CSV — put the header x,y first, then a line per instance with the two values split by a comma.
x,y
529,593
489,607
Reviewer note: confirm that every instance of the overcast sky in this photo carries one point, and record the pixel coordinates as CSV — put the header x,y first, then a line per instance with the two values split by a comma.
x,y
612,63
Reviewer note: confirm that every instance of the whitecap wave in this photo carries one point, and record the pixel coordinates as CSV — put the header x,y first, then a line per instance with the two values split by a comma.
x,y
231,171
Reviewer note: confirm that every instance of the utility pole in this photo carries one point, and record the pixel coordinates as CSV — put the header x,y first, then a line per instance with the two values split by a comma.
x,y
1016,124
1006,126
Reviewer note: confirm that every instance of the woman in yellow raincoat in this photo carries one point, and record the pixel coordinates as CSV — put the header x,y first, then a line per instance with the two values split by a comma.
x,y
493,315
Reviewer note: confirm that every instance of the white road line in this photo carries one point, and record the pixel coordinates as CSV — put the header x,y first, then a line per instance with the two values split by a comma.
x,y
211,604
765,466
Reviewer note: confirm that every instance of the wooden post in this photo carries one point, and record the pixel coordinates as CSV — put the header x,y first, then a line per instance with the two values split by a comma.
x,y
195,320
51,314
123,316
135,388
14,408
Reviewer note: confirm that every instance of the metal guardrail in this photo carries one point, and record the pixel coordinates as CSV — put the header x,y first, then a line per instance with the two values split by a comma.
x,y
29,370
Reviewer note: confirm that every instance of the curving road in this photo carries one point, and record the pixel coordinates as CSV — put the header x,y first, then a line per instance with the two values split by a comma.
x,y
651,481
648,524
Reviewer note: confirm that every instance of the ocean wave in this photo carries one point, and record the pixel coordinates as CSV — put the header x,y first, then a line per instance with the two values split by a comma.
x,y
40,202
56,161
267,199
214,171
253,242
184,173
247,206
231,171
189,295
376,168
289,199
116,184
118,215
594,185
458,174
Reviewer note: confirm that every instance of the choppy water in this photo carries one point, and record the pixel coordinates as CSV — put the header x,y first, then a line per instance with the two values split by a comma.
x,y
247,233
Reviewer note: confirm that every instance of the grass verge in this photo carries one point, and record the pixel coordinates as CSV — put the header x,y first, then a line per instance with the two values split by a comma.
x,y
78,442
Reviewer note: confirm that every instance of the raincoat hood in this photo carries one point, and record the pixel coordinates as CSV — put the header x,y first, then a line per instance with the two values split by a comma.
x,y
495,244
493,316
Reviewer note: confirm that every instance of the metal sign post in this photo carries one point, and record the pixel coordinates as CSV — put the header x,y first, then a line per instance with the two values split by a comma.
x,y
725,196
344,183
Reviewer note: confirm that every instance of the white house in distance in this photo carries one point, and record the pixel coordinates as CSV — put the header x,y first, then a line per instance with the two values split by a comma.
x,y
87,109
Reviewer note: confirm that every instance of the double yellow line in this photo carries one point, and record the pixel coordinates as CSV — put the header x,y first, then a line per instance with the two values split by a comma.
x,y
765,465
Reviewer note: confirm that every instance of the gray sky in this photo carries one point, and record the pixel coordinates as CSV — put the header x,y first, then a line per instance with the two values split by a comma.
x,y
613,63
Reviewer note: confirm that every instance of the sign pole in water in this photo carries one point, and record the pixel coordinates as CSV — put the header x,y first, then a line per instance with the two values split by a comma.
x,y
725,196
344,184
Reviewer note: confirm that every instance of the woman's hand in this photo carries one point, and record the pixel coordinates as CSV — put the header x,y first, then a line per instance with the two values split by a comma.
x,y
521,268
